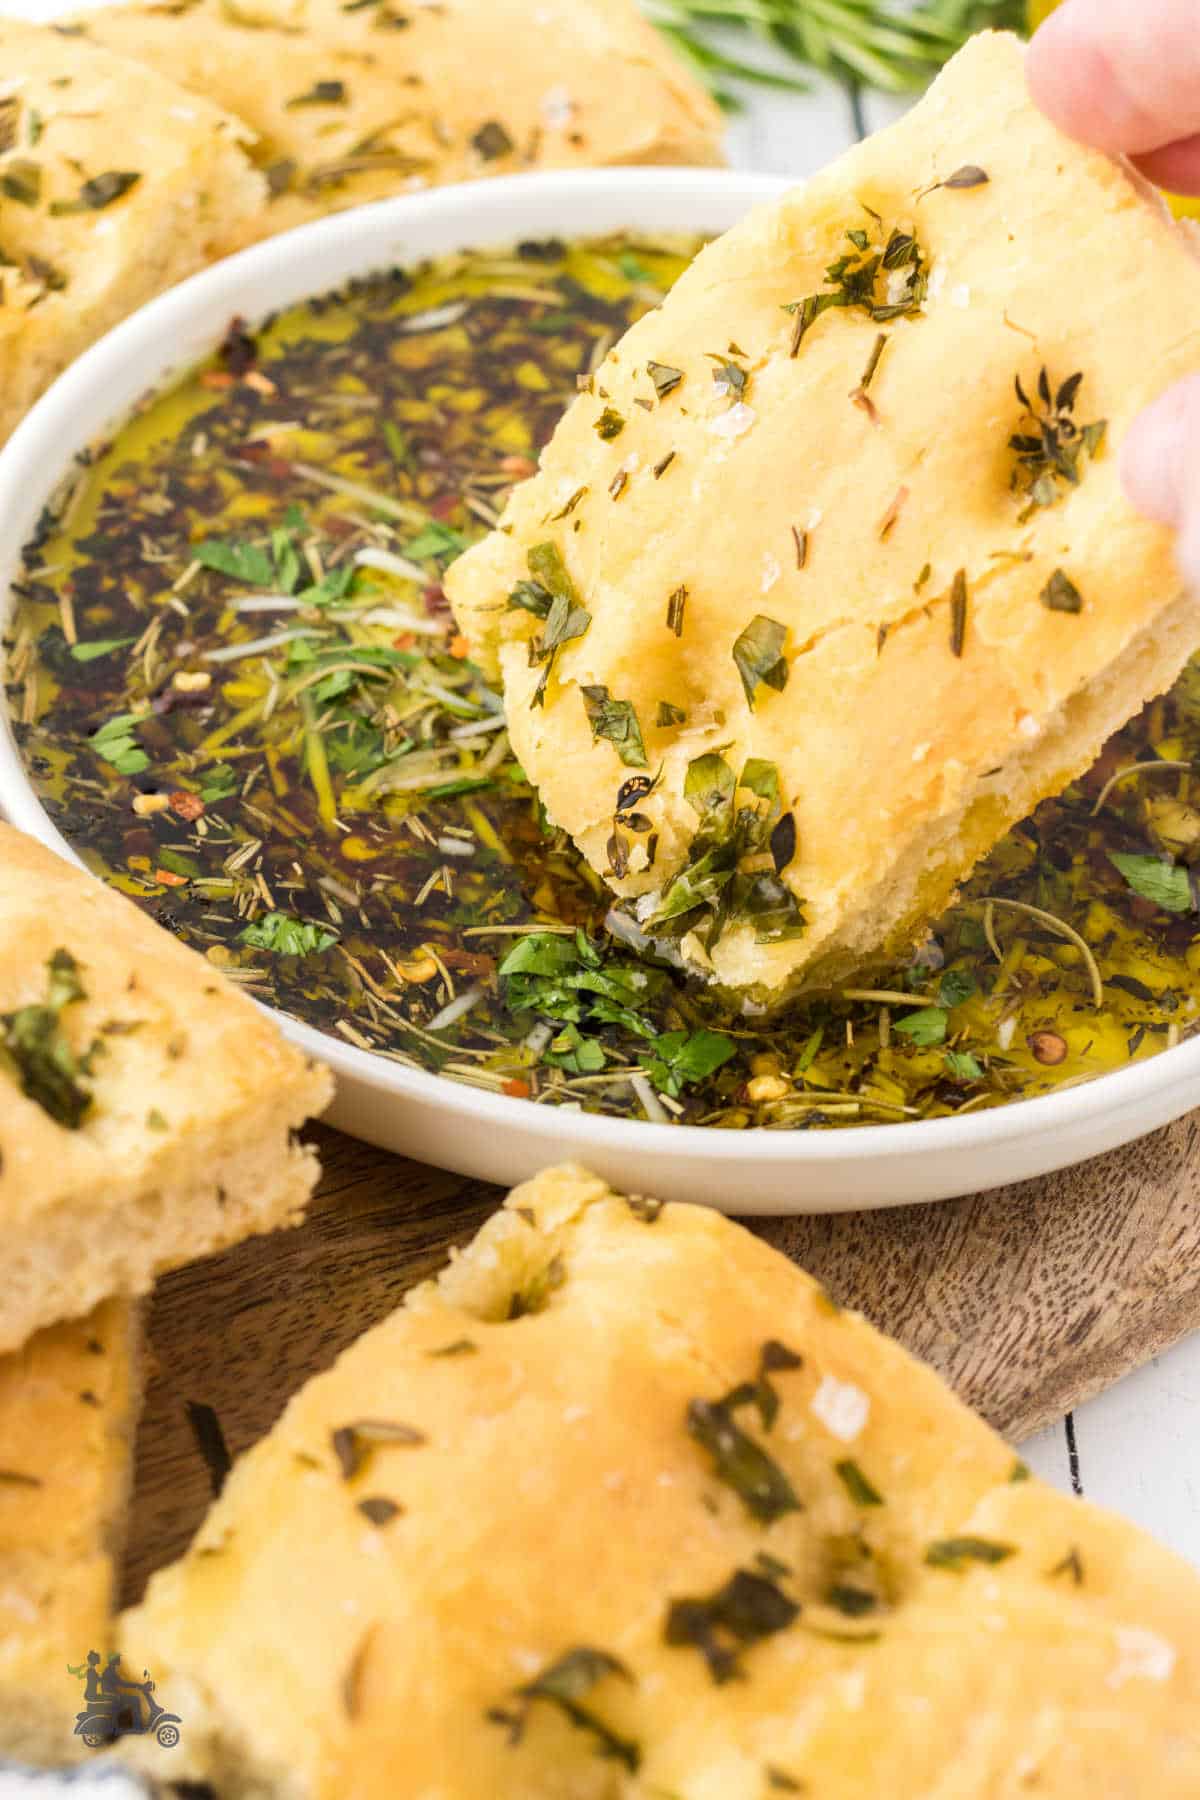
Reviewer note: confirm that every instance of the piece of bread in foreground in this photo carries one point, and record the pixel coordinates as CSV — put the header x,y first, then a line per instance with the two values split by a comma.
x,y
378,100
68,1409
799,553
624,1506
114,184
148,1110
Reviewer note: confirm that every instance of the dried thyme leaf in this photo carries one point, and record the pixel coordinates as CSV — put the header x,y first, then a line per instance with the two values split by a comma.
x,y
800,539
610,424
564,512
1071,1564
758,654
729,378
749,1608
535,1296
17,1478
665,378
492,141
353,1444
955,1553
958,614
37,1050
21,180
379,1510
210,1442
566,619
460,1347
661,467
1061,595
565,1684
10,113
669,714
856,1484
99,192
1048,458
852,1602
617,721
675,610
321,93
969,176
781,1781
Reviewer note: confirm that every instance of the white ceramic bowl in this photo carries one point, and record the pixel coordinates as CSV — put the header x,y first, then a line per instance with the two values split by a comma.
x,y
422,1115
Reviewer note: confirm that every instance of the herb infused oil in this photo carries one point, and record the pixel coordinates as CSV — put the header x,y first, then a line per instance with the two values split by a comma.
x,y
239,693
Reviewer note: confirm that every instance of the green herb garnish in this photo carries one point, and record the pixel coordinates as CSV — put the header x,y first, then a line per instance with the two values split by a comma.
x,y
856,1484
99,192
21,180
617,721
1061,595
749,1608
923,1028
956,1553
758,654
665,378
115,744
321,93
564,1684
492,141
884,280
679,1058
610,424
1166,884
353,1444
287,936
37,1050
1049,456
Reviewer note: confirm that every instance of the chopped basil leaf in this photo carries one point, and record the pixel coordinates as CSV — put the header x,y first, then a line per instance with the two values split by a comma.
x,y
746,1610
758,654
1166,884
925,1027
36,1049
287,936
99,192
680,1057
963,1066
116,745
617,721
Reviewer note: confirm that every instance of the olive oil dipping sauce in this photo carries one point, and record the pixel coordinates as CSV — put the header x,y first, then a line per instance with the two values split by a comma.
x,y
240,695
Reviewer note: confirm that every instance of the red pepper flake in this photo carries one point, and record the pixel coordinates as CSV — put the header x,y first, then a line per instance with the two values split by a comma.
x,y
168,878
405,641
443,506
459,646
517,1090
216,378
189,806
520,467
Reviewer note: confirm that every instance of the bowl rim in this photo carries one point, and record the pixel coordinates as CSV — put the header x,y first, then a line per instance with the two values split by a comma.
x,y
34,462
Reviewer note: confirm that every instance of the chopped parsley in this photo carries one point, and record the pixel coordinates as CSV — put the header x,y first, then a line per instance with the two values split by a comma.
x,y
287,936
747,1609
617,721
565,1684
758,655
36,1048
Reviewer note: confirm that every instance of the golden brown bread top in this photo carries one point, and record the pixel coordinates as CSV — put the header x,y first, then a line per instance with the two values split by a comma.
x,y
362,103
68,1406
92,147
173,1047
551,1464
929,623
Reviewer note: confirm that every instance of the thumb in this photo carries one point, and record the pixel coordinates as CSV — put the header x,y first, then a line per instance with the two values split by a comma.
x,y
1160,466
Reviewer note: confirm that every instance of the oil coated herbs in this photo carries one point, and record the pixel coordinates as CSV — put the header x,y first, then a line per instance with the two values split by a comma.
x,y
235,681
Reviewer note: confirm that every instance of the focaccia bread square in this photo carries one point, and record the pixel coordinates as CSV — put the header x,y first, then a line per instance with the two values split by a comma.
x,y
148,1111
623,1506
115,183
376,100
68,1410
829,578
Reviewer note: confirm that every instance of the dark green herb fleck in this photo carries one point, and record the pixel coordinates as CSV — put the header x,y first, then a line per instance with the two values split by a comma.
x,y
37,1050
856,1484
1061,595
746,1610
758,654
956,1553
353,1444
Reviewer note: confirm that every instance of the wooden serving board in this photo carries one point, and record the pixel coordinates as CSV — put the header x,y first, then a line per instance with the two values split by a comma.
x,y
1028,1299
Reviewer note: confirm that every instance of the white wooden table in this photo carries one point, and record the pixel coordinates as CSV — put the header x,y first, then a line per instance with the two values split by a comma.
x,y
1136,1448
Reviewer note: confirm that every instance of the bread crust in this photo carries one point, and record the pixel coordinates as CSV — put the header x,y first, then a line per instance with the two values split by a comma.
x,y
908,738
75,114
550,1495
464,89
68,1410
189,1143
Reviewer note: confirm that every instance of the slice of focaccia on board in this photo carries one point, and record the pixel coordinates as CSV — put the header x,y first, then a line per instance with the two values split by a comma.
x,y
834,551
363,103
148,1111
115,183
68,1409
623,1506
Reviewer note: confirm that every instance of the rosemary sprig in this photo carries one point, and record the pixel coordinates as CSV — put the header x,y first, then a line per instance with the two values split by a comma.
x,y
869,43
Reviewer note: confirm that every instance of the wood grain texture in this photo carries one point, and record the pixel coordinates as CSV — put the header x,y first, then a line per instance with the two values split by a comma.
x,y
1028,1299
